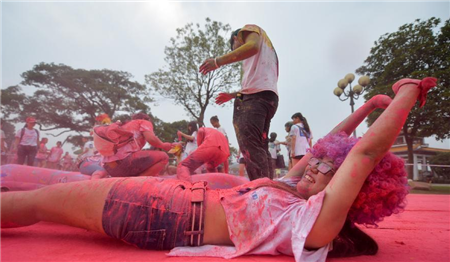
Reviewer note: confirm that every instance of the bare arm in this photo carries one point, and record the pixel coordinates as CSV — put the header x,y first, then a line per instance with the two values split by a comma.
x,y
345,185
248,49
347,126
154,141
293,140
188,137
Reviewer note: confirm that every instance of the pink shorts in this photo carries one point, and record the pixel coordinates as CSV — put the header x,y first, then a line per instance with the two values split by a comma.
x,y
155,213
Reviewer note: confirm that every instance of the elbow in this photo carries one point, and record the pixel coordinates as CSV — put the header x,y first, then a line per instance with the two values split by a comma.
x,y
254,48
368,157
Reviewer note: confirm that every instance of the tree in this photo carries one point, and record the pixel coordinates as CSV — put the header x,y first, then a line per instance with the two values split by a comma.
x,y
416,50
69,99
10,132
441,159
233,154
168,131
181,80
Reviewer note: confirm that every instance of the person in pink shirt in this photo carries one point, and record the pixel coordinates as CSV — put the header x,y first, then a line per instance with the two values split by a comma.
x,y
260,217
42,154
130,159
55,156
212,150
67,162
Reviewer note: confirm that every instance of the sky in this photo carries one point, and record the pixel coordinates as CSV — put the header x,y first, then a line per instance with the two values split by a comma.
x,y
317,43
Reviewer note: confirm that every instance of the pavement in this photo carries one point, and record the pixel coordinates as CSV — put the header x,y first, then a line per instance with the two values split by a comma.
x,y
421,233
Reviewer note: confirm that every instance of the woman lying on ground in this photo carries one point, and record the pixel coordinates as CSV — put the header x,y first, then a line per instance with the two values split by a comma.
x,y
179,214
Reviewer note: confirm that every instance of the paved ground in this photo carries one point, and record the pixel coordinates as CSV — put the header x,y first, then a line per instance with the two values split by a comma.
x,y
421,233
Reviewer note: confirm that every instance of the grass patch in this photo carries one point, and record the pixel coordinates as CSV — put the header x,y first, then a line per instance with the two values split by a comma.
x,y
435,189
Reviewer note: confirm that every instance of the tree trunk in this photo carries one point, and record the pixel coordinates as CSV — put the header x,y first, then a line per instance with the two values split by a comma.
x,y
201,119
409,145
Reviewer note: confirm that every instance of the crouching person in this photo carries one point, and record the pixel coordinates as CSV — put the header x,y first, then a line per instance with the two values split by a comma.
x,y
212,150
121,148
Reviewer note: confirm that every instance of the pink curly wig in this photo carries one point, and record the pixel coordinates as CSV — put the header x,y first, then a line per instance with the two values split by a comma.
x,y
385,189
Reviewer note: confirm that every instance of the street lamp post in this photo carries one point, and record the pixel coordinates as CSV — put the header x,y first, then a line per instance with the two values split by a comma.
x,y
351,93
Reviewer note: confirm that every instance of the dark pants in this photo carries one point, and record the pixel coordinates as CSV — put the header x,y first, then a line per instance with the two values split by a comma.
x,y
251,119
136,163
28,152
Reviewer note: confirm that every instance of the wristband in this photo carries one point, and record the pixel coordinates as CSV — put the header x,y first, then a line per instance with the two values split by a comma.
x,y
215,62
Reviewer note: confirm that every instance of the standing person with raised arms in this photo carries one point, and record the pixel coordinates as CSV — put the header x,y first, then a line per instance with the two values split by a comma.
x,y
257,101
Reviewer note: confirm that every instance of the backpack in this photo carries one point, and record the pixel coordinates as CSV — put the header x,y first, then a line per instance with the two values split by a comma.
x,y
23,132
109,138
303,132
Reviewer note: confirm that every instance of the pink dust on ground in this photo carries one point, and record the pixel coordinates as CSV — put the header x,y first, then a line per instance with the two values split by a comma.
x,y
420,234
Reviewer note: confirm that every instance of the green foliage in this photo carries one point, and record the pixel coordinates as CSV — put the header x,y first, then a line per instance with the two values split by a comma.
x,y
180,79
233,154
441,159
68,99
416,50
12,101
167,132
10,132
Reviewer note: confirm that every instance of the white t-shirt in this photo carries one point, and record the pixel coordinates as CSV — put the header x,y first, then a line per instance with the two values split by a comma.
x,y
301,139
89,145
190,146
55,154
260,70
222,130
29,138
273,149
283,223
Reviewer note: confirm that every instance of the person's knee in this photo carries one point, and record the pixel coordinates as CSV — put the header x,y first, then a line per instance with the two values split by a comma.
x,y
183,173
99,174
165,158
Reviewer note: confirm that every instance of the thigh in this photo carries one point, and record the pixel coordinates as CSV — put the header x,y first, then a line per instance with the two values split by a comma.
x,y
136,163
251,120
21,151
31,155
78,204
150,213
197,158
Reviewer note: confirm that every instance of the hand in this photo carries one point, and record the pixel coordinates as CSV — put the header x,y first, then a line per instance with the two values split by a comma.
x,y
179,134
208,66
166,146
223,98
